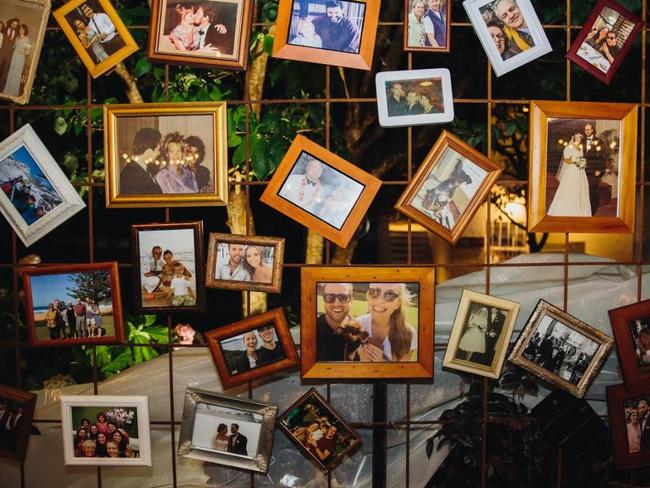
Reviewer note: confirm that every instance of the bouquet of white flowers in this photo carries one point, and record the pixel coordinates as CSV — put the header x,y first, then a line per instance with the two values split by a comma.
x,y
581,163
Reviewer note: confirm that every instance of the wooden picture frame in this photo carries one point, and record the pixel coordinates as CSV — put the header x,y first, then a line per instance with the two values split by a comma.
x,y
349,56
357,280
97,63
444,17
531,345
33,282
635,368
131,127
344,434
494,332
21,423
619,400
593,60
239,27
162,296
447,149
336,205
233,366
618,145
262,243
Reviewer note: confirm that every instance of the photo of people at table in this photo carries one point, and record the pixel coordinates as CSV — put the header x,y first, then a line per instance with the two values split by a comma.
x,y
414,97
105,432
507,27
244,262
252,349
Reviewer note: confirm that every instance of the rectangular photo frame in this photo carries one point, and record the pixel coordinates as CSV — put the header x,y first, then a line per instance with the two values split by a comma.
x,y
204,412
16,414
631,328
337,342
427,28
625,410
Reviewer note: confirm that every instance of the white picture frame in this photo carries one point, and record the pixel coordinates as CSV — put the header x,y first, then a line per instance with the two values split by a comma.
x,y
71,203
407,78
500,65
140,403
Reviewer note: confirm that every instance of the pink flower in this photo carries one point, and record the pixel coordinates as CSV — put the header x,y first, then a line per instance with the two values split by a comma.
x,y
185,333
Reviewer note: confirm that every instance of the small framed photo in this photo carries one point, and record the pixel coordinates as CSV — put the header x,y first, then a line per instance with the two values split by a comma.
x,y
120,436
336,32
166,154
631,328
211,33
605,39
561,349
414,97
427,25
321,190
73,304
481,334
582,167
629,419
227,430
320,433
364,323
168,263
97,33
252,348
238,262
509,30
36,195
449,187
22,28
16,413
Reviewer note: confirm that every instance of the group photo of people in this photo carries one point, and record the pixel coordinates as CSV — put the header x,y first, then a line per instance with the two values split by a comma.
x,y
369,322
244,262
327,24
105,433
427,24
414,97
252,349
11,424
637,421
640,330
508,28
481,333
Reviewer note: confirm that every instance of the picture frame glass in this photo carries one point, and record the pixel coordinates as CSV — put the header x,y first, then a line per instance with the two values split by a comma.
x,y
481,334
640,337
244,262
245,351
418,96
508,27
426,24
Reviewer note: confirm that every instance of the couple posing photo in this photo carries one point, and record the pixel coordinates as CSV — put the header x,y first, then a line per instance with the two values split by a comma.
x,y
255,354
239,262
234,443
96,32
197,28
15,50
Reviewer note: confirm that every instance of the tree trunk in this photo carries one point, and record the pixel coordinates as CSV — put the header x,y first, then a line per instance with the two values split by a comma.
x,y
314,248
132,92
257,73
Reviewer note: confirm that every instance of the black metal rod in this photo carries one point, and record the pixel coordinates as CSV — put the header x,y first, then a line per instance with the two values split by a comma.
x,y
379,448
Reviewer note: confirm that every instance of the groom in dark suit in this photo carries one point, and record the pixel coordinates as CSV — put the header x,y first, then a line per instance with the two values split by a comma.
x,y
211,34
135,178
593,153
237,442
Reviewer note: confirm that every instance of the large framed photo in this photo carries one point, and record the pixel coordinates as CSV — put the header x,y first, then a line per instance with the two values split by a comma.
x,y
36,195
449,187
582,167
210,33
335,32
22,27
509,30
605,39
367,322
73,304
561,349
239,262
97,33
629,419
226,430
631,328
321,190
120,436
427,25
481,334
319,431
252,348
166,154
168,263
16,413
414,97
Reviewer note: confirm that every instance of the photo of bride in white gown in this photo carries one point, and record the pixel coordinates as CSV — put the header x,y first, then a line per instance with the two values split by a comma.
x,y
572,196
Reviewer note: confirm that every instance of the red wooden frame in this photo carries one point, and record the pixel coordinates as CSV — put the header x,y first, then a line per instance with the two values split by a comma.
x,y
27,402
634,376
616,396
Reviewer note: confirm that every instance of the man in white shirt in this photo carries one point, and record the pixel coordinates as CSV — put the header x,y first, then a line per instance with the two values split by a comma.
x,y
101,25
234,269
151,271
306,190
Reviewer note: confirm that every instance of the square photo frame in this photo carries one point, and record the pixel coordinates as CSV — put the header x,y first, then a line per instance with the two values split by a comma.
x,y
340,309
449,187
327,448
510,32
624,409
631,328
97,33
252,348
414,97
166,154
561,349
480,335
218,35
36,195
237,262
321,190
16,414
59,310
202,436
605,39
335,32
582,167
427,26
168,263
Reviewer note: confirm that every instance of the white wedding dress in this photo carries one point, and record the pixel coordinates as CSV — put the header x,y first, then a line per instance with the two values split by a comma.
x,y
572,196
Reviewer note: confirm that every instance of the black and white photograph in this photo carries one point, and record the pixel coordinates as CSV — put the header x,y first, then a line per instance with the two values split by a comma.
x,y
427,25
252,349
640,333
480,333
16,412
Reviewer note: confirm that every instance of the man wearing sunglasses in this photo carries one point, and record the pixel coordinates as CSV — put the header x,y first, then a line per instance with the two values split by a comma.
x,y
610,48
337,297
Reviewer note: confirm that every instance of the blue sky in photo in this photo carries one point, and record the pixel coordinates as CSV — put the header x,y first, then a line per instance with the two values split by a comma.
x,y
24,156
47,288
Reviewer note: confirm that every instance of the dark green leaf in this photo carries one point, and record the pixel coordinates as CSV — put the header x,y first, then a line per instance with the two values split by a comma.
x,y
141,67
60,126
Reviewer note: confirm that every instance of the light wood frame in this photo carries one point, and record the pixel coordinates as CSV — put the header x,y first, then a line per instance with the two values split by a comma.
x,y
313,369
540,113
634,376
616,397
445,141
440,49
340,237
27,402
